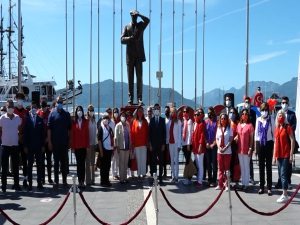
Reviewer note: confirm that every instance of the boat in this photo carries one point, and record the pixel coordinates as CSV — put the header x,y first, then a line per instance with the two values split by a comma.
x,y
32,87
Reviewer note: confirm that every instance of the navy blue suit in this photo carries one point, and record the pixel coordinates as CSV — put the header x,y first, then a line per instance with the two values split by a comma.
x,y
34,140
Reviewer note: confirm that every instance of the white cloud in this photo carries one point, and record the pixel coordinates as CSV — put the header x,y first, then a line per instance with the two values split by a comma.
x,y
264,57
296,40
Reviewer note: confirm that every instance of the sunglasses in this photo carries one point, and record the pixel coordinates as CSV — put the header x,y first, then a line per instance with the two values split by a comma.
x,y
184,111
283,103
196,114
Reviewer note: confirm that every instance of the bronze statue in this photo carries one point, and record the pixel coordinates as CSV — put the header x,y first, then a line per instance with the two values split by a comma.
x,y
132,37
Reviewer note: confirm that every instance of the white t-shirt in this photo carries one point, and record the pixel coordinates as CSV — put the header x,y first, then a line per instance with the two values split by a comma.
x,y
107,142
10,129
227,134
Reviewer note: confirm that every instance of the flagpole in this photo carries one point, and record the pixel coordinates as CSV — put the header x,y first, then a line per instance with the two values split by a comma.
x,y
91,47
173,54
113,89
67,88
203,39
196,54
297,132
98,59
122,86
73,100
182,52
149,91
247,47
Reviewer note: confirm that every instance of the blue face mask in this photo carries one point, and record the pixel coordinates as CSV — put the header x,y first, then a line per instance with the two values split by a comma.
x,y
33,111
59,105
231,116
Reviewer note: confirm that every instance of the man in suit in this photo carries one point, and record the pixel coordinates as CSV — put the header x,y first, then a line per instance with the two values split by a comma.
x,y
292,120
34,144
252,114
228,104
157,140
132,37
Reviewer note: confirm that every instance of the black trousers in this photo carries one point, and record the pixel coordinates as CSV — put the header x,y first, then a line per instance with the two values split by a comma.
x,y
13,152
37,152
80,160
234,147
105,166
24,159
60,152
265,155
157,152
48,155
212,164
187,154
139,79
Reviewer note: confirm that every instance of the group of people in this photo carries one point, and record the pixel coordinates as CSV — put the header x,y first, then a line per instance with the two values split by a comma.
x,y
218,144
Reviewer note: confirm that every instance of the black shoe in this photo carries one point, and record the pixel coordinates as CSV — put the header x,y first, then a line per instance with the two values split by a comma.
x,y
29,188
50,181
278,186
18,189
40,186
9,174
161,182
43,181
25,185
2,193
13,187
260,192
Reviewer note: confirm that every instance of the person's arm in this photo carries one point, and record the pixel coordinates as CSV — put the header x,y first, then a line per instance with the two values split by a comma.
x,y
145,19
293,122
125,39
274,152
292,138
100,135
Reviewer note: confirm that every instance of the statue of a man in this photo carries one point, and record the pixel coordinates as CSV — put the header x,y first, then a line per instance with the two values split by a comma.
x,y
132,37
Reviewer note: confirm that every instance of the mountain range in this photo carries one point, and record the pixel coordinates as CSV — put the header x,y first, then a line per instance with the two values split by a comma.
x,y
211,98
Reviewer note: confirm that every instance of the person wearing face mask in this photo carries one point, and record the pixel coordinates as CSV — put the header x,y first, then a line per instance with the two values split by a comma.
x,y
245,132
228,104
292,120
186,139
58,135
199,144
263,146
157,141
258,97
211,146
224,138
174,140
44,113
34,144
148,118
10,126
122,141
90,155
234,120
252,117
80,143
139,137
106,146
167,151
129,121
115,158
283,150
22,113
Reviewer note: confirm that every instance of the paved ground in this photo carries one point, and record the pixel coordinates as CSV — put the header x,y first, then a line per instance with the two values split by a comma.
x,y
117,204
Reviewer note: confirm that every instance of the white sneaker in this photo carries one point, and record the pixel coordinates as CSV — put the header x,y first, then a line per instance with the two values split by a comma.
x,y
226,189
218,188
282,199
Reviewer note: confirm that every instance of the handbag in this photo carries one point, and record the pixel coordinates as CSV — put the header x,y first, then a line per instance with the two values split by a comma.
x,y
133,165
236,169
189,169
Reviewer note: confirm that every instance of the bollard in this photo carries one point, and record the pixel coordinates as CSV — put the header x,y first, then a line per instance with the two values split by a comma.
x,y
228,183
156,202
74,197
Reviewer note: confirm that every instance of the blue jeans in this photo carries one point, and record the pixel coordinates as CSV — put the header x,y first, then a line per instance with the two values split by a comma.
x,y
283,164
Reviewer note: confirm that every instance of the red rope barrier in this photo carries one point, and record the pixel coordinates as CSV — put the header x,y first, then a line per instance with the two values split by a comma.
x,y
58,211
268,213
187,216
8,218
125,223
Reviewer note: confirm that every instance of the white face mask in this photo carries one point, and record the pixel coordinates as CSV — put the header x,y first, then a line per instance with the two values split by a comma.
x,y
79,114
284,106
156,112
33,111
228,103
20,102
92,114
10,111
246,106
105,122
264,114
123,119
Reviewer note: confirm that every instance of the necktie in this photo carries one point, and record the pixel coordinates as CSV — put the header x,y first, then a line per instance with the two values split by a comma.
x,y
156,122
33,120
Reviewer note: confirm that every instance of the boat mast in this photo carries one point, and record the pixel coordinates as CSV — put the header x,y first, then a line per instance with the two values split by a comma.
x,y
9,30
1,45
20,55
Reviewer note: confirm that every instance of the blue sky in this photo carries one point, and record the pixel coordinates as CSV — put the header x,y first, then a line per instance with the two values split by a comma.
x,y
274,41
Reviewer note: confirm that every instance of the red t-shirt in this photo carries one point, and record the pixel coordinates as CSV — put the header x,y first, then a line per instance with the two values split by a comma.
x,y
283,145
258,99
244,137
22,113
45,117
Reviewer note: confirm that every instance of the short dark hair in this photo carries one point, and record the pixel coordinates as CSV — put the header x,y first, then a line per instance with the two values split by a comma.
x,y
156,104
167,107
247,98
33,103
229,96
20,95
286,98
186,108
258,87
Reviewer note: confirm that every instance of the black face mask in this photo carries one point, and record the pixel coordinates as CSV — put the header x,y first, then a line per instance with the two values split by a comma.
x,y
167,114
210,116
44,104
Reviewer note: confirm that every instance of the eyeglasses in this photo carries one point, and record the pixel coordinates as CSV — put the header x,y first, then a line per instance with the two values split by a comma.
x,y
184,111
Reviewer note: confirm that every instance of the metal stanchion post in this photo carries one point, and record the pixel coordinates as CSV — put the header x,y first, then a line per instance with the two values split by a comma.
x,y
156,202
228,183
74,197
